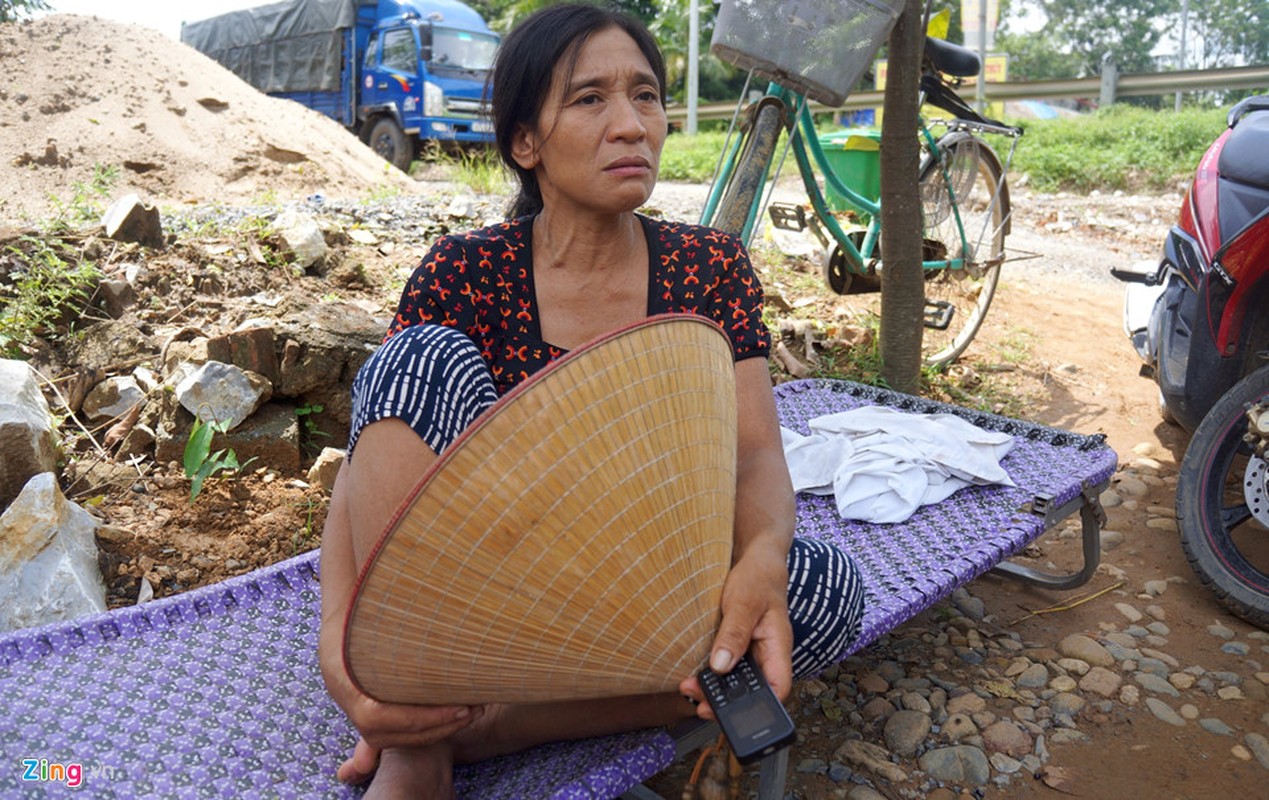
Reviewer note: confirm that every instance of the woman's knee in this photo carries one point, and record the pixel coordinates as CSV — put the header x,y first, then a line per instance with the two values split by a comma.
x,y
826,603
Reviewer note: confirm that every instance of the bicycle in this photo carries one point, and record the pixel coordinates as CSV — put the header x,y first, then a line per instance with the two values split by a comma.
x,y
964,195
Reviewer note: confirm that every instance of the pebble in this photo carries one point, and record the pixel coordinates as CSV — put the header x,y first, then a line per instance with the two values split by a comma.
x,y
1153,683
1004,763
957,727
1074,665
1063,683
1181,680
1189,711
1213,725
1163,711
1100,680
961,764
1159,629
1066,703
915,702
1077,645
1259,747
1161,656
1240,752
812,766
865,793
1220,631
1162,524
1110,540
966,704
1156,612
1067,736
1236,648
1155,588
1006,737
872,682
1133,487
1035,676
839,773
1129,695
1230,693
905,731
1130,613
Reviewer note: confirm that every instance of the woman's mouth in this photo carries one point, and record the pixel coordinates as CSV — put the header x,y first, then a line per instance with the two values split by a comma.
x,y
627,167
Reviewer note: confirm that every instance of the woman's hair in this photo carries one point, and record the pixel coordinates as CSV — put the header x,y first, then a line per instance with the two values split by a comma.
x,y
525,64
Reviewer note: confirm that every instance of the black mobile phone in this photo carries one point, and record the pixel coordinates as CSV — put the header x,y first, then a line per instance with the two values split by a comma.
x,y
750,714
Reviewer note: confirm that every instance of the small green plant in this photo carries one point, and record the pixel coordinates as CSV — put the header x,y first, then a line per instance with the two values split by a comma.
x,y
309,431
41,287
85,204
383,192
304,534
200,463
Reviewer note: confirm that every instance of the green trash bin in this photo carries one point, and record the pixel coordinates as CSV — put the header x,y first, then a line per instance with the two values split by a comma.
x,y
854,155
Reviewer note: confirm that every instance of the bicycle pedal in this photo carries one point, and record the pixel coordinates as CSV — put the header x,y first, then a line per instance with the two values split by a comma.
x,y
788,216
938,314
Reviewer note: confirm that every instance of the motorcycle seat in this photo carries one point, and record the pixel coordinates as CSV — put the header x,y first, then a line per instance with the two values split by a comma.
x,y
1242,159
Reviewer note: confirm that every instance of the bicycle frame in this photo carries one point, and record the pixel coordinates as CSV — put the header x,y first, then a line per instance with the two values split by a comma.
x,y
806,148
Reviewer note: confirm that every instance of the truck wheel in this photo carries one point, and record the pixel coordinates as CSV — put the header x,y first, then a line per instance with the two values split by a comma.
x,y
391,144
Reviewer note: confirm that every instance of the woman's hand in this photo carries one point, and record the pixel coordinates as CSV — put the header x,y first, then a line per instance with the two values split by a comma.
x,y
755,617
755,595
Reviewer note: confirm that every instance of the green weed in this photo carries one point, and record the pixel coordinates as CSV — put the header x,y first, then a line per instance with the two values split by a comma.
x,y
310,433
200,463
38,289
85,203
482,171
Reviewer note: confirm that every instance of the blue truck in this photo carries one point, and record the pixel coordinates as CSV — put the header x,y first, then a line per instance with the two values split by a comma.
x,y
395,72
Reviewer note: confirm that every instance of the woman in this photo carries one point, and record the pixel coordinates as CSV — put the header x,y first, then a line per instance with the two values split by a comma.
x,y
579,115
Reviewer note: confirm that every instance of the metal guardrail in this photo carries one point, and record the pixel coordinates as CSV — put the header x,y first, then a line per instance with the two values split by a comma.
x,y
1162,83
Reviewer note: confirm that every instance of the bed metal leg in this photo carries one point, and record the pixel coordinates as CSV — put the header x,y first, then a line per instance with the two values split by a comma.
x,y
1092,518
694,734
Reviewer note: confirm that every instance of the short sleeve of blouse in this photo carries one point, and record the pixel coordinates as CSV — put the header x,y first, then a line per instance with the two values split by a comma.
x,y
707,272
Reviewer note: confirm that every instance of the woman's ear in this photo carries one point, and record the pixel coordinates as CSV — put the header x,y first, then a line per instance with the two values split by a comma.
x,y
524,147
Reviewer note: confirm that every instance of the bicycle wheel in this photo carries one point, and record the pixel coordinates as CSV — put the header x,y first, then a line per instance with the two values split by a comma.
x,y
956,300
750,172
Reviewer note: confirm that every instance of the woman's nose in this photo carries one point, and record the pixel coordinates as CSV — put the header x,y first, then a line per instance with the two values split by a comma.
x,y
627,122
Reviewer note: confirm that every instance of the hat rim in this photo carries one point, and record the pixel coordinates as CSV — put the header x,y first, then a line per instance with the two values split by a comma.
x,y
472,431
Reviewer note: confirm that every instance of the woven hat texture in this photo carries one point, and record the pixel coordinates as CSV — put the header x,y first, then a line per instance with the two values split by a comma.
x,y
573,542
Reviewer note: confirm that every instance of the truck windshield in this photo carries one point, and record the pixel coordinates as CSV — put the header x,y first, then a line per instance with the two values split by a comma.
x,y
462,49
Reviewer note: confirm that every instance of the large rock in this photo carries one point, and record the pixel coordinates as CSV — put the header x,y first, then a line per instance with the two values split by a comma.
x,y
48,559
130,220
27,439
112,398
301,237
218,392
271,436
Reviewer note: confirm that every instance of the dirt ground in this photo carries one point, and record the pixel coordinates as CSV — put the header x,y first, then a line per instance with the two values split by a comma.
x,y
185,132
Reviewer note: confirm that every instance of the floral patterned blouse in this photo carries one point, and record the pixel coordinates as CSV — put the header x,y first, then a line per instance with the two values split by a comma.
x,y
481,283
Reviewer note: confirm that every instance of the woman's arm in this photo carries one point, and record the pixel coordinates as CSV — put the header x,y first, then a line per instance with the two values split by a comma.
x,y
381,725
755,596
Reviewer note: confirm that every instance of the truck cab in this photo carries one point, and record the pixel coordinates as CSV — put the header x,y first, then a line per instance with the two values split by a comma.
x,y
423,75
393,71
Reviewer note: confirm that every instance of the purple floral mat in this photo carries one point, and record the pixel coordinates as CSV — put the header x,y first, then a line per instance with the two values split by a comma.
x,y
217,693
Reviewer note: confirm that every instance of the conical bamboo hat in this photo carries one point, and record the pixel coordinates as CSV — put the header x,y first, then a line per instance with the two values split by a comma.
x,y
573,542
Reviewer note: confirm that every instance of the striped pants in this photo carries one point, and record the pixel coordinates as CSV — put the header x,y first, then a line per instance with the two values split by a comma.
x,y
434,379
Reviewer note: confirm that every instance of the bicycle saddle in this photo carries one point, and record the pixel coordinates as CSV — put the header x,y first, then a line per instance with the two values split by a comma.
x,y
952,59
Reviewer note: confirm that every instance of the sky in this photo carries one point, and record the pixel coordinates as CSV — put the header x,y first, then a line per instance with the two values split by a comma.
x,y
164,16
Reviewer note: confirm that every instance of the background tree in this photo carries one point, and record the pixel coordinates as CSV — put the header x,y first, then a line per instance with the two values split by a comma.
x,y
1077,34
1227,33
902,285
11,10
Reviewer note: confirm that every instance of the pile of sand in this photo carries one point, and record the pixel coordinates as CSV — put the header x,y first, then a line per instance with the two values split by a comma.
x,y
80,92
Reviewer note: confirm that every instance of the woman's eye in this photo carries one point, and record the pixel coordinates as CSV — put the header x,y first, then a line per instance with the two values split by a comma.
x,y
649,96
588,100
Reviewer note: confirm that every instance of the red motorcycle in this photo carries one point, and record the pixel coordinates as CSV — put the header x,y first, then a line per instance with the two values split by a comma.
x,y
1200,320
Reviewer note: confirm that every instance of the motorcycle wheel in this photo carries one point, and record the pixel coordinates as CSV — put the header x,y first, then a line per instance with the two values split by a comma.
x,y
1222,506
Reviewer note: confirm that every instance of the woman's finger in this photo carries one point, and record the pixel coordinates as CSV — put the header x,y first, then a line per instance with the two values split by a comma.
x,y
360,766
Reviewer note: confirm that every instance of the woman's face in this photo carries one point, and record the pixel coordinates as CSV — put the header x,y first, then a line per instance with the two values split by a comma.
x,y
597,144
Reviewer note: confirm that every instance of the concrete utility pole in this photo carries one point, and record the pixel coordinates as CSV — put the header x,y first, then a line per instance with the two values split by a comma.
x,y
1185,17
980,86
693,62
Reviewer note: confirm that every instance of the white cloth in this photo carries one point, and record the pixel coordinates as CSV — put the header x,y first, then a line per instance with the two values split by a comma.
x,y
881,464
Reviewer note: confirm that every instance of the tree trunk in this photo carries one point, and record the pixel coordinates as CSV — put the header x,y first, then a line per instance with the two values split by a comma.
x,y
902,289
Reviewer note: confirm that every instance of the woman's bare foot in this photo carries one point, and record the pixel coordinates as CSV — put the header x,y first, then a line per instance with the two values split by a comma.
x,y
420,774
